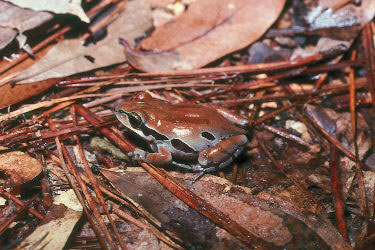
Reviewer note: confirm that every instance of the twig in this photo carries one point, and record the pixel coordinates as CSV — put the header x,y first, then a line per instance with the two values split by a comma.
x,y
77,192
334,165
13,217
97,191
370,60
11,197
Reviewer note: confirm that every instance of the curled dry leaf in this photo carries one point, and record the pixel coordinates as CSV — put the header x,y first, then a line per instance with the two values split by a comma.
x,y
207,31
18,167
56,6
15,20
269,217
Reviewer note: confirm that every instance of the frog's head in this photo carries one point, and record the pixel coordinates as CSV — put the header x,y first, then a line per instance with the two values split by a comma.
x,y
130,113
140,115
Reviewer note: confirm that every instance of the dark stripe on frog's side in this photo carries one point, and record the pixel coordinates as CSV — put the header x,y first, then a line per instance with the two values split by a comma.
x,y
208,135
157,136
180,145
176,143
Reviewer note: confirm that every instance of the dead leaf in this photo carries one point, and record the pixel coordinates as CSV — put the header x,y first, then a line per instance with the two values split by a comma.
x,y
335,27
18,167
172,213
15,20
6,36
10,95
207,31
56,6
144,240
324,44
369,180
348,15
339,126
160,3
58,224
266,216
70,56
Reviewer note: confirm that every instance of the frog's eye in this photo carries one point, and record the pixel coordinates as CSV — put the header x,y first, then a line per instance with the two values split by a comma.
x,y
135,119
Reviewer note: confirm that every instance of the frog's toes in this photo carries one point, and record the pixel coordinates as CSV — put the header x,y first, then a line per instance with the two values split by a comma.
x,y
137,155
238,152
203,161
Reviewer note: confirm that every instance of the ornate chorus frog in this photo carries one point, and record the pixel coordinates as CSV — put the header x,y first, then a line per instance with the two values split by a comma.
x,y
196,137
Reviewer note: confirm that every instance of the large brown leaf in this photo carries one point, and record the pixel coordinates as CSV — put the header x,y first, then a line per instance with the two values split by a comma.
x,y
276,219
208,30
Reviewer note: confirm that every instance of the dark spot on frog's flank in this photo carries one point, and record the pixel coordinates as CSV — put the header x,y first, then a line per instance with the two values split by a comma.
x,y
180,145
208,135
148,131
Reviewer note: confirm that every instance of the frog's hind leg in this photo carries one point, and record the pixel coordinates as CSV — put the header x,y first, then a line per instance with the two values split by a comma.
x,y
202,171
196,168
213,169
222,154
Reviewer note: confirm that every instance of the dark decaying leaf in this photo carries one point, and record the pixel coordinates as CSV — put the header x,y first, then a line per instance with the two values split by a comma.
x,y
58,224
265,215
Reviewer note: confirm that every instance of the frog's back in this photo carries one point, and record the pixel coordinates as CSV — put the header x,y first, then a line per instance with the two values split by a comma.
x,y
196,120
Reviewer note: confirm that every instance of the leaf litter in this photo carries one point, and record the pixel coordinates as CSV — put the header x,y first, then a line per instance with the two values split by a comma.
x,y
305,179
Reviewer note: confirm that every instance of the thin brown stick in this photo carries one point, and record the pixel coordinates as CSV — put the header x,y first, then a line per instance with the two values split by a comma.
x,y
352,91
334,165
115,195
286,135
13,217
369,53
11,197
72,183
97,191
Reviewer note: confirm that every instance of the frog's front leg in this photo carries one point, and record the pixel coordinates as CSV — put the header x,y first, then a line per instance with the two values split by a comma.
x,y
221,154
163,157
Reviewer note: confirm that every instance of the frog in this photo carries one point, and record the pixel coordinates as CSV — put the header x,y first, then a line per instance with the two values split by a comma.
x,y
200,138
